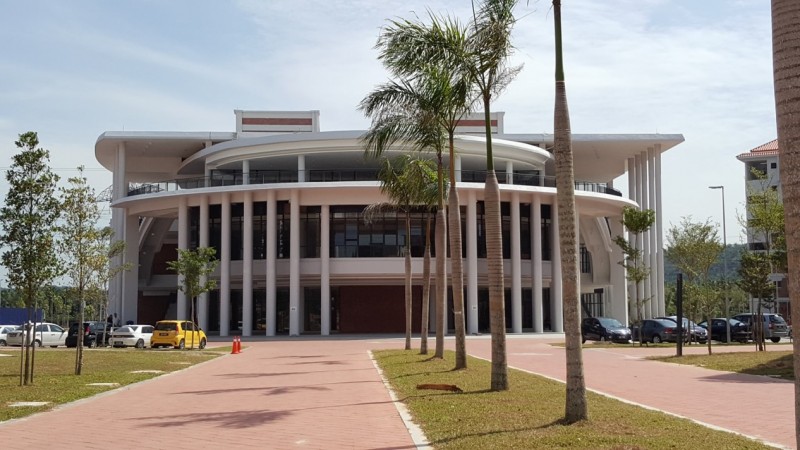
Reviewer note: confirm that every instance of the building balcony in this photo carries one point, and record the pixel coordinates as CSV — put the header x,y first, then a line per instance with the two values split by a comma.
x,y
346,175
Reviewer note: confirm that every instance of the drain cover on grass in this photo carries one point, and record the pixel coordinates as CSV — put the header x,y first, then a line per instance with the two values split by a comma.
x,y
146,371
103,384
19,404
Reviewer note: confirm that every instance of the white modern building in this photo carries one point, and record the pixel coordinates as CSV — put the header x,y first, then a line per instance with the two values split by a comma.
x,y
764,159
282,202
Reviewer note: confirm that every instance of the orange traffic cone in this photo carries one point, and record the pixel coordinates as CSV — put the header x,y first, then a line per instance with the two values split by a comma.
x,y
238,345
233,347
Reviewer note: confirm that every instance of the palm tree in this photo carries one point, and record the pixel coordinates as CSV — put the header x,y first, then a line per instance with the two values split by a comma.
x,y
576,408
786,53
482,58
406,181
402,113
490,47
452,100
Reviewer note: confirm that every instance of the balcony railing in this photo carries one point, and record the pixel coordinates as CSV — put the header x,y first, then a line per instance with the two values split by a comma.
x,y
359,174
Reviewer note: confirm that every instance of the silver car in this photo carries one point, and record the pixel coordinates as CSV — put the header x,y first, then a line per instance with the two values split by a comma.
x,y
131,336
48,334
775,327
4,330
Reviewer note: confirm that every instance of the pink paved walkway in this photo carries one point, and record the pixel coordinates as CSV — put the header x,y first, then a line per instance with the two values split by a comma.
x,y
275,395
756,406
316,393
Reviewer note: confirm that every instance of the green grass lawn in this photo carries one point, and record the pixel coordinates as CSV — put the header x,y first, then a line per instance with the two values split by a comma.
x,y
55,382
529,415
776,363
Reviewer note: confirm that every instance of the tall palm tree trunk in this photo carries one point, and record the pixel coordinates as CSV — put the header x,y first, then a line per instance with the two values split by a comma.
x,y
408,280
576,408
494,261
441,281
786,66
457,275
426,288
456,263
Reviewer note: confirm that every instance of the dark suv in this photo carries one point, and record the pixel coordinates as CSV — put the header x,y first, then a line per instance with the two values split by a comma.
x,y
94,334
775,327
604,329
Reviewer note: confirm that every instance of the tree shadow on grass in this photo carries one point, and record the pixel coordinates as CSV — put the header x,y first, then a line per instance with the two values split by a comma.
x,y
559,422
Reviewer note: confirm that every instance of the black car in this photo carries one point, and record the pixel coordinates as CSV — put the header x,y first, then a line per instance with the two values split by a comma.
x,y
697,333
718,332
604,329
656,331
94,334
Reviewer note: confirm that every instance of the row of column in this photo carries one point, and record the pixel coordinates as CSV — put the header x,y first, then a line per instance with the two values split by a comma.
x,y
294,265
644,181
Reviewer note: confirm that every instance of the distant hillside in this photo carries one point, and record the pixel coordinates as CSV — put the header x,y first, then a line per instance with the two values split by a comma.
x,y
733,252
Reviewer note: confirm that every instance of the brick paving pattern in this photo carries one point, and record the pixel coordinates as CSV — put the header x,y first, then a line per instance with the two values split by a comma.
x,y
317,393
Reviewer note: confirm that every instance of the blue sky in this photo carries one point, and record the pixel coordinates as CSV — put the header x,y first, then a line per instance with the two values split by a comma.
x,y
72,70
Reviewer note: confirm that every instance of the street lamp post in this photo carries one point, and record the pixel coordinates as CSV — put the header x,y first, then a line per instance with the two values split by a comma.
x,y
724,266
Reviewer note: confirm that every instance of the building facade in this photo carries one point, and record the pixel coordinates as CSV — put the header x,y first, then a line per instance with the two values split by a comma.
x,y
282,203
761,172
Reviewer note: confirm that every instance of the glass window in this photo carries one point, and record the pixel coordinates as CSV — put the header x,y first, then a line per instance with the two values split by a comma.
x,y
237,231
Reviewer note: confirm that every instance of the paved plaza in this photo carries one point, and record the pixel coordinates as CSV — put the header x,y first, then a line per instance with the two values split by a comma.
x,y
318,393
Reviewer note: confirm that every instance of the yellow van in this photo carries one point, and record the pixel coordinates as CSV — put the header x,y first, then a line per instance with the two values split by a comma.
x,y
178,334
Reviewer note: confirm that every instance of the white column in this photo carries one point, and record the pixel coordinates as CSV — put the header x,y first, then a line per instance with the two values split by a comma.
x,y
247,266
301,168
207,176
618,295
183,244
536,254
645,237
120,177
516,267
245,177
655,289
130,282
472,263
272,257
458,168
202,302
118,220
639,240
225,267
509,172
325,269
556,289
659,232
294,264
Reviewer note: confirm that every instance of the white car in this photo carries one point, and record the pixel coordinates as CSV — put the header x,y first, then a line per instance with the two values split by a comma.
x,y
131,336
48,334
4,330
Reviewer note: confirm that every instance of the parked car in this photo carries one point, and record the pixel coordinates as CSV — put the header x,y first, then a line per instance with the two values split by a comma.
x,y
48,334
4,330
178,334
132,336
656,331
94,334
775,327
695,331
718,332
604,329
